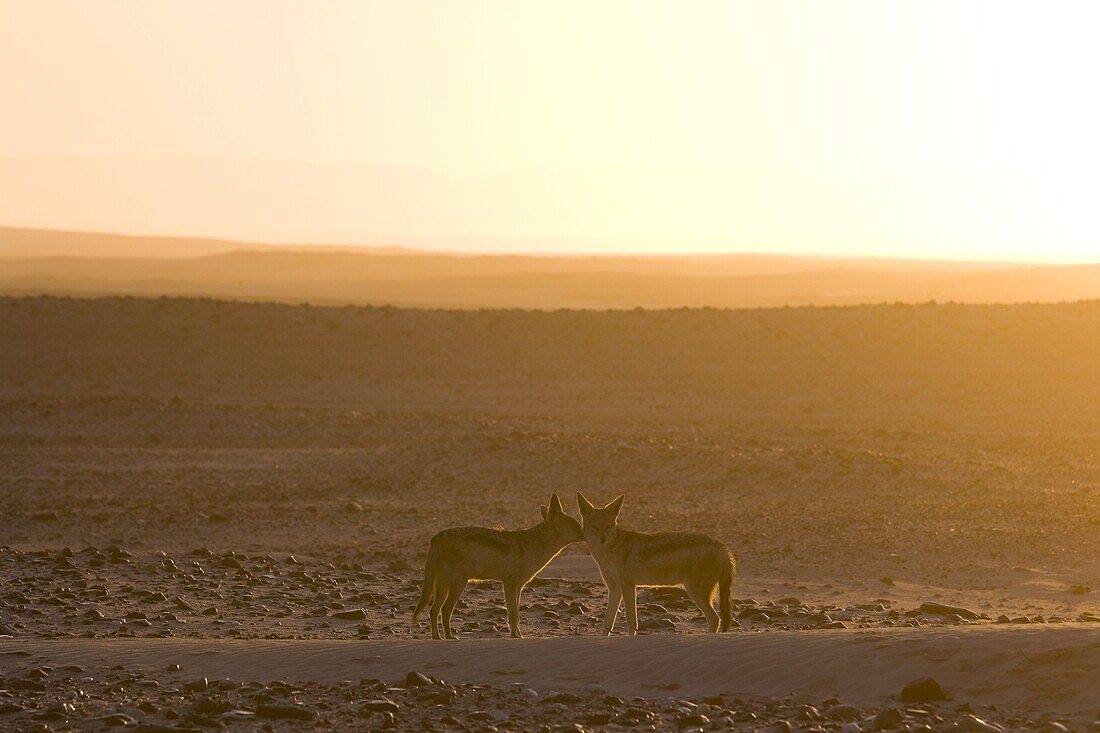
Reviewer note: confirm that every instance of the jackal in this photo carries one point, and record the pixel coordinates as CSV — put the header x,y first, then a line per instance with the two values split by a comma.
x,y
696,562
457,556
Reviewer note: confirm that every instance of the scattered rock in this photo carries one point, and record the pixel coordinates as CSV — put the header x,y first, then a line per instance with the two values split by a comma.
x,y
888,719
352,614
939,609
284,712
415,679
381,705
972,722
693,720
923,690
117,720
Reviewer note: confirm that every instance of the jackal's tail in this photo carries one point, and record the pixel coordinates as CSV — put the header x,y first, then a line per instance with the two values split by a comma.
x,y
725,583
427,591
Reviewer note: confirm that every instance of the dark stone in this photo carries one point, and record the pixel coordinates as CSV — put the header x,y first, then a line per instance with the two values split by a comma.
x,y
693,720
198,685
939,609
565,698
923,690
211,706
415,679
888,719
117,720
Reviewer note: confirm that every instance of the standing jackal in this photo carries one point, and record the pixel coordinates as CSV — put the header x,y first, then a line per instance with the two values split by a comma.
x,y
457,556
696,562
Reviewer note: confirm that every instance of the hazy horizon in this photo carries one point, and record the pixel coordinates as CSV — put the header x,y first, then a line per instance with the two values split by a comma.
x,y
218,244
45,262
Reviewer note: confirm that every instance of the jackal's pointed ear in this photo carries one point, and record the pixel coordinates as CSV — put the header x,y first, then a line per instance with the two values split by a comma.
x,y
544,510
555,505
584,505
616,505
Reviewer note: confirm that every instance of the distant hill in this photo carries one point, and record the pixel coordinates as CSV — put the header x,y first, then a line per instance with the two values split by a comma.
x,y
75,263
35,243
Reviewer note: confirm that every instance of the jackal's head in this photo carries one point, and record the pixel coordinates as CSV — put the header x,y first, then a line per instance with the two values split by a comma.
x,y
565,528
600,525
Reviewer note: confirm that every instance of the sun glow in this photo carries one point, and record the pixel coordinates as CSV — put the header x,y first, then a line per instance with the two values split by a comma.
x,y
944,130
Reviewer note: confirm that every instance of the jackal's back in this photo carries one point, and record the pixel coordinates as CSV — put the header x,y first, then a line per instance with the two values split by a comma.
x,y
672,558
497,539
476,552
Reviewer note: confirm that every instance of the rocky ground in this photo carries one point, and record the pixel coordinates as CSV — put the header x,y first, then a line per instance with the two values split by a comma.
x,y
111,592
46,699
213,471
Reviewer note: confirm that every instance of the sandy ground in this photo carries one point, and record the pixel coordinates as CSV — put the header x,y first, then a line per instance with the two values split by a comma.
x,y
260,517
1030,669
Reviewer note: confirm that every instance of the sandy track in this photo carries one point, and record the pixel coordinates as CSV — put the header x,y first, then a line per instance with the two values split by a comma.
x,y
1033,670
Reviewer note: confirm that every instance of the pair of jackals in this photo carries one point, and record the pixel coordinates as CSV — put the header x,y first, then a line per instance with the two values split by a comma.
x,y
696,562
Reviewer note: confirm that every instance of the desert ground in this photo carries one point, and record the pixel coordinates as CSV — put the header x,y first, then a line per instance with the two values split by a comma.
x,y
216,514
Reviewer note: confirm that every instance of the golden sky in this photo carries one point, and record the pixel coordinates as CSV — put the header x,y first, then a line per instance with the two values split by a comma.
x,y
930,129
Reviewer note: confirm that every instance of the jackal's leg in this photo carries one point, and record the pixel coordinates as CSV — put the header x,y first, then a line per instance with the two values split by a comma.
x,y
437,604
511,600
702,594
453,594
614,595
630,603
